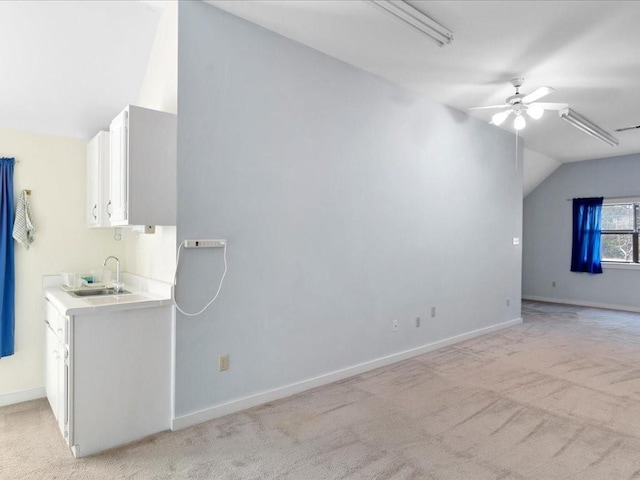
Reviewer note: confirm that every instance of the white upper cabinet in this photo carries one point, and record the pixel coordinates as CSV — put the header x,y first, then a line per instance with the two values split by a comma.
x,y
118,181
142,186
98,180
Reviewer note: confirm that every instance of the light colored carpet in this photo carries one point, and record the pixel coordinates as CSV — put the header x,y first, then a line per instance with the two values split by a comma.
x,y
555,398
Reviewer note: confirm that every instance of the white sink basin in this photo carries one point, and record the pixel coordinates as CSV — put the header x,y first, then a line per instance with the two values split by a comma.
x,y
99,292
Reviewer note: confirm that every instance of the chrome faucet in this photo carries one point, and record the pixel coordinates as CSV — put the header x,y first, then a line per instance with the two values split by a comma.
x,y
117,285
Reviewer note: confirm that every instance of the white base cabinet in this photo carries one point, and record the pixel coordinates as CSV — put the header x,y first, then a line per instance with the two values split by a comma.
x,y
57,367
112,385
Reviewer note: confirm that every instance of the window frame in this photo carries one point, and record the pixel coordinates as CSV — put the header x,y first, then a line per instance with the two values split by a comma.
x,y
635,233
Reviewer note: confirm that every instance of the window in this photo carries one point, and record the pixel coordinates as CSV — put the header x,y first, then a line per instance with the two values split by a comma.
x,y
620,228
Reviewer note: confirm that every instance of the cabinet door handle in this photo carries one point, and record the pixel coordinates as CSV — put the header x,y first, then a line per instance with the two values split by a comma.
x,y
93,212
109,211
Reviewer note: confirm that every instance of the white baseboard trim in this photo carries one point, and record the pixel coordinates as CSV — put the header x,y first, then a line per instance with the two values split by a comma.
x,y
581,303
23,396
233,406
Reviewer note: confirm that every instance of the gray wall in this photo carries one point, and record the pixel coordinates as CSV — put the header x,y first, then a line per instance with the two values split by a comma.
x,y
547,234
347,201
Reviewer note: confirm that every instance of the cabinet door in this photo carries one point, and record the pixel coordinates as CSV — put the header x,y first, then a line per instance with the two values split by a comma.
x,y
63,391
93,182
98,181
118,178
51,370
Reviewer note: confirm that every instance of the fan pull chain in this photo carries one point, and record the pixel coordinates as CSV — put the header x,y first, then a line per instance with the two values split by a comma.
x,y
517,136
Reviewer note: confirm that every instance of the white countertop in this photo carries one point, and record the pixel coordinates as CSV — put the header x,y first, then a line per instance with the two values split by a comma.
x,y
145,293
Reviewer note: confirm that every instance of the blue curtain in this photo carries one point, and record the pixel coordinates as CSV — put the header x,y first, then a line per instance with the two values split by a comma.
x,y
7,274
585,253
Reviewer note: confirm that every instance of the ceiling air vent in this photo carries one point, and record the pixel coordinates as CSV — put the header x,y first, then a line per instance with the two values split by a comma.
x,y
627,128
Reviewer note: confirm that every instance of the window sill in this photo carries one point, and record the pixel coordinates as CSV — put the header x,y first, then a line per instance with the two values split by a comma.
x,y
621,266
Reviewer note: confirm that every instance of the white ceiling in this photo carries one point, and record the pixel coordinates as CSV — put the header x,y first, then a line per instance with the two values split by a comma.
x,y
587,51
69,66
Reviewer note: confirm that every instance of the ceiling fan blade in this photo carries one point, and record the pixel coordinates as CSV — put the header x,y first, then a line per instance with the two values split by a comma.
x,y
505,105
537,94
552,106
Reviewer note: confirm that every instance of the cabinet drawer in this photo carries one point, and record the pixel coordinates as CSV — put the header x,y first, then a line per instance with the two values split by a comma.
x,y
52,317
57,322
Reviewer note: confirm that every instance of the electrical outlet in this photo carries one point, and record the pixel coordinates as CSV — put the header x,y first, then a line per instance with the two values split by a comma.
x,y
417,322
144,228
209,243
508,302
553,284
223,362
395,325
433,312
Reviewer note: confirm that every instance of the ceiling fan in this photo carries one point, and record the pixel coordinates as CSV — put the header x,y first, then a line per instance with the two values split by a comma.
x,y
520,103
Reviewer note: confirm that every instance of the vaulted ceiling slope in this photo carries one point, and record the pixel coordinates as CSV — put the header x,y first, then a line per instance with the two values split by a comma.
x,y
68,67
586,50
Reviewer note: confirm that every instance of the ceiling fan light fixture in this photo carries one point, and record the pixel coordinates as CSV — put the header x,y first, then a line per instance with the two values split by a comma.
x,y
416,20
500,117
535,111
581,123
519,103
519,123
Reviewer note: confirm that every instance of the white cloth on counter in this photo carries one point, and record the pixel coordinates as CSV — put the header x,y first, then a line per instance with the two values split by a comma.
x,y
23,229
